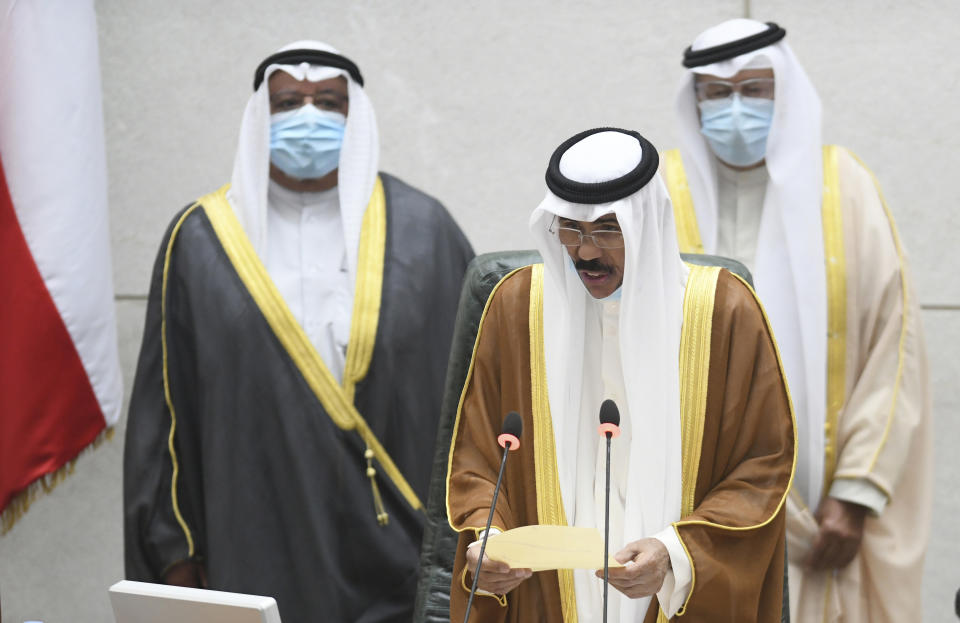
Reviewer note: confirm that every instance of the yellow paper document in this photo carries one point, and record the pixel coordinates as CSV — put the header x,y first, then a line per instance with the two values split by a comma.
x,y
540,548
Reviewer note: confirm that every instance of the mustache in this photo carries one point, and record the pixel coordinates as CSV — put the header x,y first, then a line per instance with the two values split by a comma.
x,y
594,266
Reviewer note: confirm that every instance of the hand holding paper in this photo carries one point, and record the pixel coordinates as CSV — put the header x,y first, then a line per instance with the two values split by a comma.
x,y
646,564
495,576
540,548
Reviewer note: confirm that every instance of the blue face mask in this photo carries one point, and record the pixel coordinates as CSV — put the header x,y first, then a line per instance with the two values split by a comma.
x,y
305,143
737,128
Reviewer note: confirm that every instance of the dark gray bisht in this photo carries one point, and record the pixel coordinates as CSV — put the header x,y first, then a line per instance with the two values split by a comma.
x,y
274,496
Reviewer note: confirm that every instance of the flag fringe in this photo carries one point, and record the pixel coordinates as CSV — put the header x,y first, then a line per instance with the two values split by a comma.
x,y
20,503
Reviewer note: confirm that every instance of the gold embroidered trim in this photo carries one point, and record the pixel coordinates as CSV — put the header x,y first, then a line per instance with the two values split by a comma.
x,y
382,517
501,599
166,380
793,420
463,394
695,337
835,263
550,509
826,598
264,292
693,575
688,232
367,292
903,326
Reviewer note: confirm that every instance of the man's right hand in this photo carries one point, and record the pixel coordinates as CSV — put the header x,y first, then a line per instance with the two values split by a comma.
x,y
840,534
495,577
188,573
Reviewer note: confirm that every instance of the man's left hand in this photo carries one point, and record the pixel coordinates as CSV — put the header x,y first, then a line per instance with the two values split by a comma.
x,y
646,563
841,530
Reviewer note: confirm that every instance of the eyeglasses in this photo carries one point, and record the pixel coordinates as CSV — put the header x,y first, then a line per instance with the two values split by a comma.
x,y
722,89
601,238
282,101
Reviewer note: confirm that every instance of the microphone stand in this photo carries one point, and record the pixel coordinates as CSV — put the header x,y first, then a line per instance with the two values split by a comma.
x,y
606,535
609,428
486,533
509,440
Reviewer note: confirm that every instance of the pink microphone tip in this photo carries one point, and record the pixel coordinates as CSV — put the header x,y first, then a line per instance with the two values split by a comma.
x,y
505,439
607,428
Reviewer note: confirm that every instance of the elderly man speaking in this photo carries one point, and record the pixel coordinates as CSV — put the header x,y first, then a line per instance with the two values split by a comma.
x,y
700,473
293,362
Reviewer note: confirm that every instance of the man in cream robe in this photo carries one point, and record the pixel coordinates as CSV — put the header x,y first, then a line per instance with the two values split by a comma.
x,y
752,181
701,469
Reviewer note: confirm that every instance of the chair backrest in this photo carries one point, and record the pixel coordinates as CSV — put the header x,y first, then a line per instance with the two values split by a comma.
x,y
439,540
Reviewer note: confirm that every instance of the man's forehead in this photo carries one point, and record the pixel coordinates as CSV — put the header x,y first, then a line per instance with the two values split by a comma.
x,y
281,80
605,219
743,74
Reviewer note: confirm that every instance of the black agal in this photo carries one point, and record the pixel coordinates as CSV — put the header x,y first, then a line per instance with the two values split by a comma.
x,y
314,57
602,192
731,49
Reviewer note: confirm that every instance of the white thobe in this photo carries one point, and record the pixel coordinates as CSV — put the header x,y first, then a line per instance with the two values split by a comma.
x,y
306,258
739,207
740,196
676,584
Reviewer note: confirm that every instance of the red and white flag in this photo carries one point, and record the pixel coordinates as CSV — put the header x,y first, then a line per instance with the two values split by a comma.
x,y
60,383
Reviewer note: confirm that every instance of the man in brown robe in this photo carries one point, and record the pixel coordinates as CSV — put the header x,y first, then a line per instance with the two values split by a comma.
x,y
700,472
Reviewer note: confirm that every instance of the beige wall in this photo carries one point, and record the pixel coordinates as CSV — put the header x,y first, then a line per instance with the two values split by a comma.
x,y
471,100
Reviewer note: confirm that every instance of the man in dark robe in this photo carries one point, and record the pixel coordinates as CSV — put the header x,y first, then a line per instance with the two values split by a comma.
x,y
700,473
292,365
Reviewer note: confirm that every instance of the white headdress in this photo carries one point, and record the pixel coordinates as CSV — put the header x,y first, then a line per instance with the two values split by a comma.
x,y
358,157
617,168
790,276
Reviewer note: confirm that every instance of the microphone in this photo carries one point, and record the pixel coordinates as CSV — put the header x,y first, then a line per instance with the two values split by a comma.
x,y
509,439
512,427
609,428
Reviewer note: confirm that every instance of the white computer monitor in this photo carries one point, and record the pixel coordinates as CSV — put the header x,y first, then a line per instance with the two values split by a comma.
x,y
141,602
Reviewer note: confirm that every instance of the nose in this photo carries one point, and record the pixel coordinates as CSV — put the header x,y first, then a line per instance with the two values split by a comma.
x,y
737,103
588,250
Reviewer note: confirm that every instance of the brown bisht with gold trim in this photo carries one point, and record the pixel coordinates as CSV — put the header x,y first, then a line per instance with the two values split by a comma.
x,y
245,454
737,437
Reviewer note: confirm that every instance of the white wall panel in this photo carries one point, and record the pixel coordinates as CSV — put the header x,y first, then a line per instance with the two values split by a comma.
x,y
889,93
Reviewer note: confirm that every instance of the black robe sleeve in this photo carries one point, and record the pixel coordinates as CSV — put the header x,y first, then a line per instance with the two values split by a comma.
x,y
154,537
